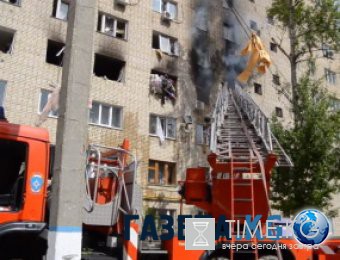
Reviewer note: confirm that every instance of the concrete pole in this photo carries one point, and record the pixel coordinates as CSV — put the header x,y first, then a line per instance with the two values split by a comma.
x,y
64,238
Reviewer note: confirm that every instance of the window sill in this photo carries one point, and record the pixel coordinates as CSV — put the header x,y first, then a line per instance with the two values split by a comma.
x,y
167,54
111,36
166,138
107,79
53,117
59,19
106,126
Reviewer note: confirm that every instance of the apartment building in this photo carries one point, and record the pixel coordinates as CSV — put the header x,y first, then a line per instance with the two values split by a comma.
x,y
157,67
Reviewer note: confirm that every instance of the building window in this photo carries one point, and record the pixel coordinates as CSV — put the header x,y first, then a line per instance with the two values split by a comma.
x,y
202,134
168,7
112,26
254,27
162,173
270,19
2,92
330,76
278,111
165,44
44,97
335,104
106,115
60,9
273,47
6,40
258,88
13,2
167,126
327,51
55,53
109,68
276,79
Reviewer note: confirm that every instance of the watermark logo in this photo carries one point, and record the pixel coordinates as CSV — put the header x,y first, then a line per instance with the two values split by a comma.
x,y
199,233
311,227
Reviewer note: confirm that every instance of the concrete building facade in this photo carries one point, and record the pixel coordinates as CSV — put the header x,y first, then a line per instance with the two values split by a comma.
x,y
184,40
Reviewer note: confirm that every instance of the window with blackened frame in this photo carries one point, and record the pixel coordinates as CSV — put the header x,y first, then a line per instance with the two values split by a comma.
x,y
112,26
165,43
60,9
55,52
162,173
2,92
165,6
105,115
44,96
168,125
109,68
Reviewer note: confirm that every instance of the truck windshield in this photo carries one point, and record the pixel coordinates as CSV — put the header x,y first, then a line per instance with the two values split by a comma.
x,y
13,156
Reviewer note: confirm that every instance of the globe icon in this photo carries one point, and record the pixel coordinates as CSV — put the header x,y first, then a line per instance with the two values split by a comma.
x,y
311,227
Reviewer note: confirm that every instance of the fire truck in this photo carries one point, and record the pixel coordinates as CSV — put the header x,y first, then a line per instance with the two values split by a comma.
x,y
244,153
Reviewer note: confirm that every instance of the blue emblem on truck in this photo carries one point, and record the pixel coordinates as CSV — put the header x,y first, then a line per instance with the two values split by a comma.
x,y
36,183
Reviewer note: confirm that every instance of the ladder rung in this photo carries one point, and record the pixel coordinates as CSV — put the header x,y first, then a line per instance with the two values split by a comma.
x,y
242,184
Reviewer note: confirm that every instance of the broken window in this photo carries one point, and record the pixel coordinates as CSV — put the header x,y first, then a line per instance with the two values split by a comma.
x,y
106,115
273,47
112,26
165,43
60,9
167,126
163,86
330,76
44,96
55,52
6,39
167,7
162,173
258,88
254,27
109,68
2,92
278,111
276,79
14,2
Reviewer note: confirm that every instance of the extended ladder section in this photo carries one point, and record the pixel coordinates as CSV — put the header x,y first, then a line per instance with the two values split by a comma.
x,y
110,185
244,154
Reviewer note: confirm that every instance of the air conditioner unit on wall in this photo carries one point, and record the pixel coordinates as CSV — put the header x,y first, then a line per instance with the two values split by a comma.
x,y
123,2
166,16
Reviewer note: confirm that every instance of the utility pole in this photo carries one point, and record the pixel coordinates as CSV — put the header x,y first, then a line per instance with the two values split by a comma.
x,y
65,234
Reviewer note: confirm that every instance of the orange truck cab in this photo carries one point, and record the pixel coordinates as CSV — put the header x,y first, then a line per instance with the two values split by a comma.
x,y
24,162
